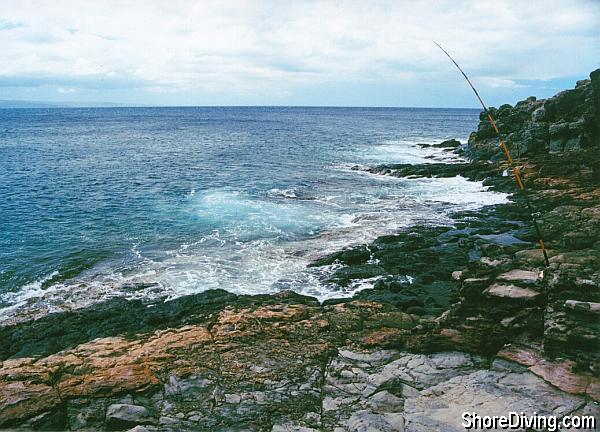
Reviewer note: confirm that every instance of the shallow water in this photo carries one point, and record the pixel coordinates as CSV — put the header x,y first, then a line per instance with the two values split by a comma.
x,y
141,202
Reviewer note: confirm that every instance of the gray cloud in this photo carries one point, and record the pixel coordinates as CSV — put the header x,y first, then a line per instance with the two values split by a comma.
x,y
258,46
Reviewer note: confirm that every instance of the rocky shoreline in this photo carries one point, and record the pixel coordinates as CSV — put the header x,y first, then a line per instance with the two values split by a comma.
x,y
480,322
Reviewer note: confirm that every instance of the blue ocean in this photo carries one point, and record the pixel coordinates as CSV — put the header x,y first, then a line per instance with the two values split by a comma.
x,y
163,202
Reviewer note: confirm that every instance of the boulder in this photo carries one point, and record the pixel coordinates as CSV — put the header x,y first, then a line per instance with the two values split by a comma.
x,y
452,143
122,416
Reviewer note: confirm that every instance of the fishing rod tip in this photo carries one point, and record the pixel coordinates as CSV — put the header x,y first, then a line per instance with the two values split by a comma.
x,y
439,46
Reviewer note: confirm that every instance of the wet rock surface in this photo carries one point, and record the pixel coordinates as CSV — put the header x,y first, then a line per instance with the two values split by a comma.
x,y
460,318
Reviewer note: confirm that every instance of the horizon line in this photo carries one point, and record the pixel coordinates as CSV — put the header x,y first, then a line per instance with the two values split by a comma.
x,y
76,105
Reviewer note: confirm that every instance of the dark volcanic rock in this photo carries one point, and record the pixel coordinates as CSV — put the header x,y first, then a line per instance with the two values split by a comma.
x,y
558,140
556,144
567,122
449,144
472,170
58,331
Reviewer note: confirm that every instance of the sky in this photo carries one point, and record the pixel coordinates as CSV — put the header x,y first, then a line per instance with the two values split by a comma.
x,y
317,53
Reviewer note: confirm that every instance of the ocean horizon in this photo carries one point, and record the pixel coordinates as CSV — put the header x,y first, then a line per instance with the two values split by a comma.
x,y
79,104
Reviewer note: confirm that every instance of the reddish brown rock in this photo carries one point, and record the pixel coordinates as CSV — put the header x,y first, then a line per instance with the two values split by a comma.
x,y
559,374
384,337
21,400
113,380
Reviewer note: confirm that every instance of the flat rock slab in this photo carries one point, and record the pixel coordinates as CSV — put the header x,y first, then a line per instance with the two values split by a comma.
x,y
520,276
559,374
487,393
511,292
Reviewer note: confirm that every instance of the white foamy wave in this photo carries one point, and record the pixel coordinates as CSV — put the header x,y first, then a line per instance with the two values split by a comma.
x,y
245,217
407,152
30,290
362,170
251,244
330,291
457,191
285,193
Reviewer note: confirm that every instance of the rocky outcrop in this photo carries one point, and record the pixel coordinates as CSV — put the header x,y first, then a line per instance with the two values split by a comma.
x,y
505,293
269,368
567,122
255,362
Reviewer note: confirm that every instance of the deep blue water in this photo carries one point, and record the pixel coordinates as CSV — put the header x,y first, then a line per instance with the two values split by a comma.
x,y
95,202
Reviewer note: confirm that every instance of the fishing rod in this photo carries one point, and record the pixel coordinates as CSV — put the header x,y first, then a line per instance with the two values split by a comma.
x,y
515,169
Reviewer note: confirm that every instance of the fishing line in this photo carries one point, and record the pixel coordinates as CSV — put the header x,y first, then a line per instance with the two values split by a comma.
x,y
511,163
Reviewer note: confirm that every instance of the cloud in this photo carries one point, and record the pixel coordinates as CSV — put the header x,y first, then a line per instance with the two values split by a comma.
x,y
10,25
269,47
496,82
